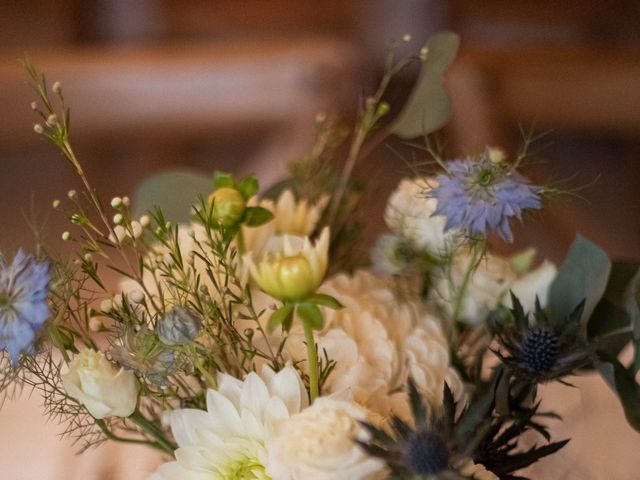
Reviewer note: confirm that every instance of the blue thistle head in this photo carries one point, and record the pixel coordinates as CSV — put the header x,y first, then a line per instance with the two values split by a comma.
x,y
539,350
480,196
425,452
24,286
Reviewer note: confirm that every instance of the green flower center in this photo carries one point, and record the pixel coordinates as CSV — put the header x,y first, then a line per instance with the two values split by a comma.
x,y
246,469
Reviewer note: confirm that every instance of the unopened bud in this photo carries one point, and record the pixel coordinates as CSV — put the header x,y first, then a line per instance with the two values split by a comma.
x,y
52,119
116,202
145,221
39,129
34,105
136,296
66,236
228,205
117,218
55,203
56,87
125,201
95,324
72,194
406,38
424,51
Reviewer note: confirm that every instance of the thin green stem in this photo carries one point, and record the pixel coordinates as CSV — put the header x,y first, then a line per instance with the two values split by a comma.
x,y
312,355
149,427
112,436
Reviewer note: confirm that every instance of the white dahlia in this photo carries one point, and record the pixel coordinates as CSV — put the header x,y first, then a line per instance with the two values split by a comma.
x,y
409,214
318,444
229,440
376,340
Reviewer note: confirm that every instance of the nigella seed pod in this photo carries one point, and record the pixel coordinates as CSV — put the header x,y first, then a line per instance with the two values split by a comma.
x,y
178,326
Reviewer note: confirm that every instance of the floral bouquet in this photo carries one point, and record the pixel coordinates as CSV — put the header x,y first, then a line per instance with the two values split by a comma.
x,y
250,338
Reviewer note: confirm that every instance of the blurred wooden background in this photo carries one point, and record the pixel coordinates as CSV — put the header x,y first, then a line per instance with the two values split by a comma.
x,y
236,84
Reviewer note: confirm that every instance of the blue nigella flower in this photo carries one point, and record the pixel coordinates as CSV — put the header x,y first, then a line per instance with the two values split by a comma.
x,y
24,285
479,196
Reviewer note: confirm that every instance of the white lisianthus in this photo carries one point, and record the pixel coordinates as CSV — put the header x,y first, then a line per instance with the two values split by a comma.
x,y
104,390
318,444
485,286
409,214
229,440
533,284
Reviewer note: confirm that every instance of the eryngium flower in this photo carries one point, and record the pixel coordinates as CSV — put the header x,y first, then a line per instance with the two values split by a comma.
x,y
540,349
178,326
24,285
480,196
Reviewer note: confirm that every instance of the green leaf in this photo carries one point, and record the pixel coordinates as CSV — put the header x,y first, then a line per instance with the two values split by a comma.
x,y
283,316
428,107
623,383
325,301
311,315
174,192
583,276
256,216
248,187
223,179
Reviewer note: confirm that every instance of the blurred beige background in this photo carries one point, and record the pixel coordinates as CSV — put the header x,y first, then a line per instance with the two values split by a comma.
x,y
236,84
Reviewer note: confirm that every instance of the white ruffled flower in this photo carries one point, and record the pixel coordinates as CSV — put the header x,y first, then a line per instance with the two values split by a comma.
x,y
318,444
376,340
103,389
409,214
229,440
533,284
485,287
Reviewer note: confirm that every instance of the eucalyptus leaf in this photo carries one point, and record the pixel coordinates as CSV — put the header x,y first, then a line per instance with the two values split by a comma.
x,y
623,383
428,107
583,276
174,191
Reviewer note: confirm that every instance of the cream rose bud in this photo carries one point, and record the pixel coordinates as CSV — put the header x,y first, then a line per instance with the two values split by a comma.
x,y
100,387
534,284
319,444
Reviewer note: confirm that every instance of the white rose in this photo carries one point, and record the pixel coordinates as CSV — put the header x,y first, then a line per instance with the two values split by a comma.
x,y
409,214
534,284
318,444
485,288
100,387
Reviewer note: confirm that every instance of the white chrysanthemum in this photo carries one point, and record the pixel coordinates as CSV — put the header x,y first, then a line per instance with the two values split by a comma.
x,y
376,340
318,444
485,287
290,217
409,214
229,440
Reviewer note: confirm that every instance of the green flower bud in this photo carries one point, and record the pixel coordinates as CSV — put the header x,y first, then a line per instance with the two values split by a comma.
x,y
228,205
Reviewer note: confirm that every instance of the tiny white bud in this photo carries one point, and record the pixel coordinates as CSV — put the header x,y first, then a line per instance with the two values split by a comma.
x,y
167,226
424,51
106,305
66,236
72,194
95,324
117,218
56,87
88,257
116,202
321,117
136,296
117,300
34,105
126,201
136,229
52,119
56,203
145,221
38,128
120,234
406,38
